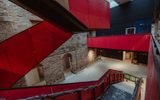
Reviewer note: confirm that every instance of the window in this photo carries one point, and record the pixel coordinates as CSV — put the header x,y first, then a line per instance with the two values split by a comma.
x,y
113,3
131,30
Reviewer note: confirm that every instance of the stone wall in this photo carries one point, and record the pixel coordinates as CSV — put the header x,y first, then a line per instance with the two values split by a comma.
x,y
54,64
14,19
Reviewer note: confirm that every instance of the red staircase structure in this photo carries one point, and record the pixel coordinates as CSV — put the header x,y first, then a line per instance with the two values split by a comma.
x,y
22,52
74,91
95,14
81,15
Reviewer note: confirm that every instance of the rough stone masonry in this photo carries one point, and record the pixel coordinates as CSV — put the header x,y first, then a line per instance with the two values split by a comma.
x,y
14,19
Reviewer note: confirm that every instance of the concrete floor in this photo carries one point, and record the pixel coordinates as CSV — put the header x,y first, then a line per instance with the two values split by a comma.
x,y
139,70
95,71
113,93
125,86
92,72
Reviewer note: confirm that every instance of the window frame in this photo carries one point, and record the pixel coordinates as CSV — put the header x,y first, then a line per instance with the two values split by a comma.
x,y
126,30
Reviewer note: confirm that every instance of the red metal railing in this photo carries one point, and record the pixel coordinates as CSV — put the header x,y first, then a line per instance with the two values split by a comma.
x,y
74,91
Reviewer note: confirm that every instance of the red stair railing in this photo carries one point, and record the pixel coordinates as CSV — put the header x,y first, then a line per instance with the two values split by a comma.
x,y
74,91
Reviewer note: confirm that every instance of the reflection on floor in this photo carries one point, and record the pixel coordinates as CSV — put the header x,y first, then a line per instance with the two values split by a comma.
x,y
95,71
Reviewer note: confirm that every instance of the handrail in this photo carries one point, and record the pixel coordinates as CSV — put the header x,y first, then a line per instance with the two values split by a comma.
x,y
138,81
137,91
131,77
56,91
97,84
156,54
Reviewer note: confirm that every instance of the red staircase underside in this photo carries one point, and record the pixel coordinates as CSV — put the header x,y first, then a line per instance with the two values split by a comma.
x,y
95,14
82,15
125,42
97,90
22,52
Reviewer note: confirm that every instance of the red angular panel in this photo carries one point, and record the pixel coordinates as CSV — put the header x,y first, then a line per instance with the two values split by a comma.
x,y
95,14
22,52
87,94
80,9
71,96
124,42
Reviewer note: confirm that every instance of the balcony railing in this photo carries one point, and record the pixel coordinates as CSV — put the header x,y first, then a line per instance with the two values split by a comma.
x,y
131,78
156,54
137,91
138,83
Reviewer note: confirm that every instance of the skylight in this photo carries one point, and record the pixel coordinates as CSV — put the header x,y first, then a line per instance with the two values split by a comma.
x,y
113,4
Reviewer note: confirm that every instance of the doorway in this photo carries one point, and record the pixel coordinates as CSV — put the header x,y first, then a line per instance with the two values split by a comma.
x,y
127,56
67,60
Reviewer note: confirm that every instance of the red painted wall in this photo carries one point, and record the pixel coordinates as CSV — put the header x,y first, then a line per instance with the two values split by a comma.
x,y
22,52
152,83
123,42
95,14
